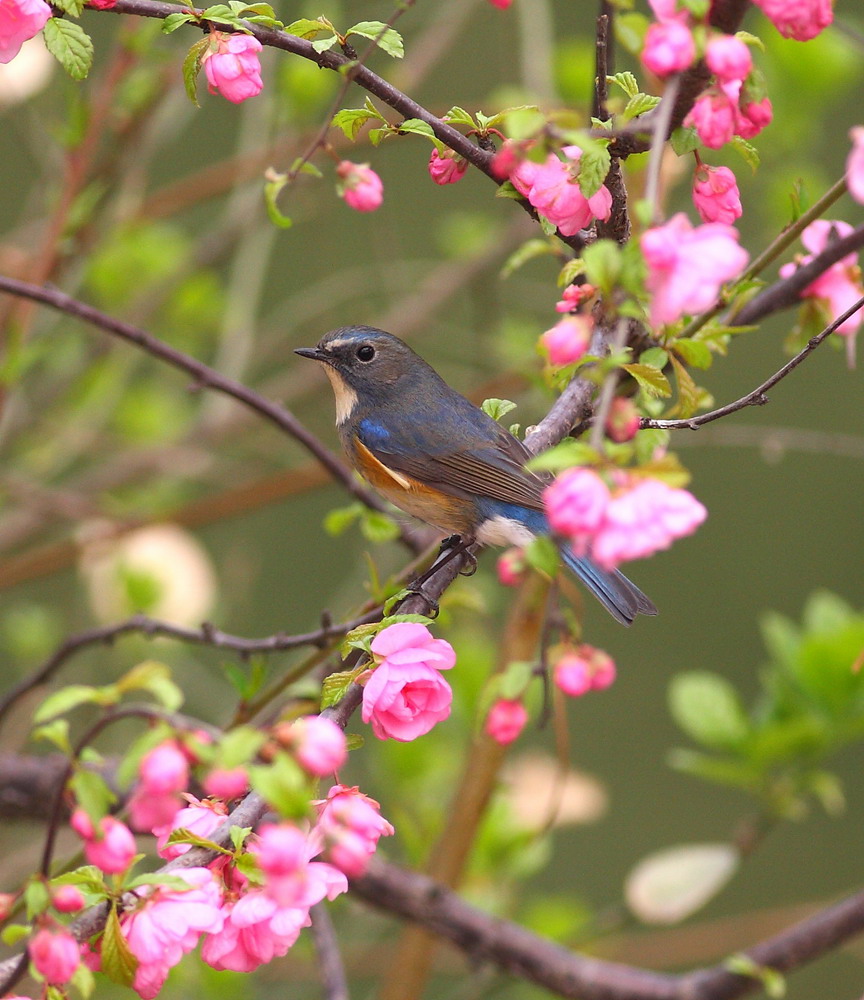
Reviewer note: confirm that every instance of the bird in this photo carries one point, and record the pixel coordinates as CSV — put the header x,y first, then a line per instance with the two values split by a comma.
x,y
437,456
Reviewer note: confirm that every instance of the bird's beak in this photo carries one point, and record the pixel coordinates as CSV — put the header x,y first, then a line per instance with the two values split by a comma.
x,y
315,353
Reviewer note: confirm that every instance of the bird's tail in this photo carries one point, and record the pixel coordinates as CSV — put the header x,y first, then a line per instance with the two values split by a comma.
x,y
621,598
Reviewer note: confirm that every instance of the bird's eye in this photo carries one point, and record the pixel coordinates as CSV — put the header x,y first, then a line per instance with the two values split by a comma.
x,y
366,352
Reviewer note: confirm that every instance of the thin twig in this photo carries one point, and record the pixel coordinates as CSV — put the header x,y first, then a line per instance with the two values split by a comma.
x,y
330,965
658,143
757,397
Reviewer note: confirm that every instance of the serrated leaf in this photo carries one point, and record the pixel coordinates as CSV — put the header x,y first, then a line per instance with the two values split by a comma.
x,y
377,134
651,379
351,120
64,700
748,152
377,526
273,184
693,352
459,116
334,687
593,164
688,391
626,81
670,885
239,835
192,67
354,741
83,982
497,408
657,357
307,28
71,7
417,126
684,140
386,38
414,619
706,707
563,456
528,251
323,44
184,836
70,45
174,21
117,960
639,104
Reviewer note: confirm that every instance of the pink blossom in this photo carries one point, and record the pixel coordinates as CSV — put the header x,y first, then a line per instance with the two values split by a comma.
x,y
164,769
713,115
446,167
227,783
20,20
55,955
645,519
109,846
200,818
728,58
506,720
623,420
350,825
798,19
855,164
167,925
147,811
510,156
68,899
603,671
282,852
232,66
576,504
715,194
319,745
511,567
567,341
669,48
664,10
572,674
554,191
687,266
360,186
406,695
501,4
573,296
753,117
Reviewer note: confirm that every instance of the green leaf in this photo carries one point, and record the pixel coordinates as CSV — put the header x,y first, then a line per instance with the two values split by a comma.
x,y
417,126
563,456
670,885
92,793
748,153
64,700
639,104
72,7
602,264
273,184
183,836
307,28
773,982
459,116
323,44
593,164
385,37
650,379
154,678
693,352
192,67
377,134
56,732
515,678
657,357
497,408
117,960
13,933
688,391
351,120
528,251
542,555
630,30
626,81
36,898
283,785
706,707
334,687
70,45
301,166
239,835
174,21
684,140
378,527
720,771
239,746
339,520
748,39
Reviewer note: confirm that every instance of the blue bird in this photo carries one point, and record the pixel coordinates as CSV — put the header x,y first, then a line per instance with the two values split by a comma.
x,y
437,456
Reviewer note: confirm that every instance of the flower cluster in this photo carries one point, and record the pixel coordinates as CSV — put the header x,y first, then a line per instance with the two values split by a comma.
x,y
635,520
583,669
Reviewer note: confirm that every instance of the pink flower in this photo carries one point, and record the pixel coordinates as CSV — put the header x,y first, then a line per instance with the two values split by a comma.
x,y
506,720
576,504
109,846
728,58
20,20
227,783
798,19
68,899
102,4
669,48
164,769
446,167
511,567
283,854
752,118
572,674
713,115
350,825
147,812
715,194
200,818
360,186
55,955
510,156
623,420
643,520
554,191
168,924
319,745
664,10
406,695
603,670
501,4
573,296
687,266
855,164
232,66
567,341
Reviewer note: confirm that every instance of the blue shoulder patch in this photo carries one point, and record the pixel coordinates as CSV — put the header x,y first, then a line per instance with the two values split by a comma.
x,y
372,432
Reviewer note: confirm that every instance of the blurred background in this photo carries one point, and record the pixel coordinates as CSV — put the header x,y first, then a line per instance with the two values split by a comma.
x,y
122,488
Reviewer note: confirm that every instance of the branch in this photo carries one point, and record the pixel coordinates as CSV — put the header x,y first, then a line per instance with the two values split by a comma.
x,y
757,397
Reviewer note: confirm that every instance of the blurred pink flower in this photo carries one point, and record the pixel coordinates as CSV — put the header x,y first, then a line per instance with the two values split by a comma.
x,y
318,744
232,66
669,47
687,266
68,899
855,164
715,194
728,58
350,825
446,167
55,954
572,674
109,846
576,504
501,4
713,115
360,186
567,341
227,784
405,696
506,720
573,296
20,20
164,769
511,567
798,19
623,420
753,117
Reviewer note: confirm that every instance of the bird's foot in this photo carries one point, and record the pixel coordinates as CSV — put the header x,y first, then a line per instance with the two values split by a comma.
x,y
470,567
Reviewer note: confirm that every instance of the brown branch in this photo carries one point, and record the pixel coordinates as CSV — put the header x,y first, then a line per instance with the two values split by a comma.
x,y
757,397
330,965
